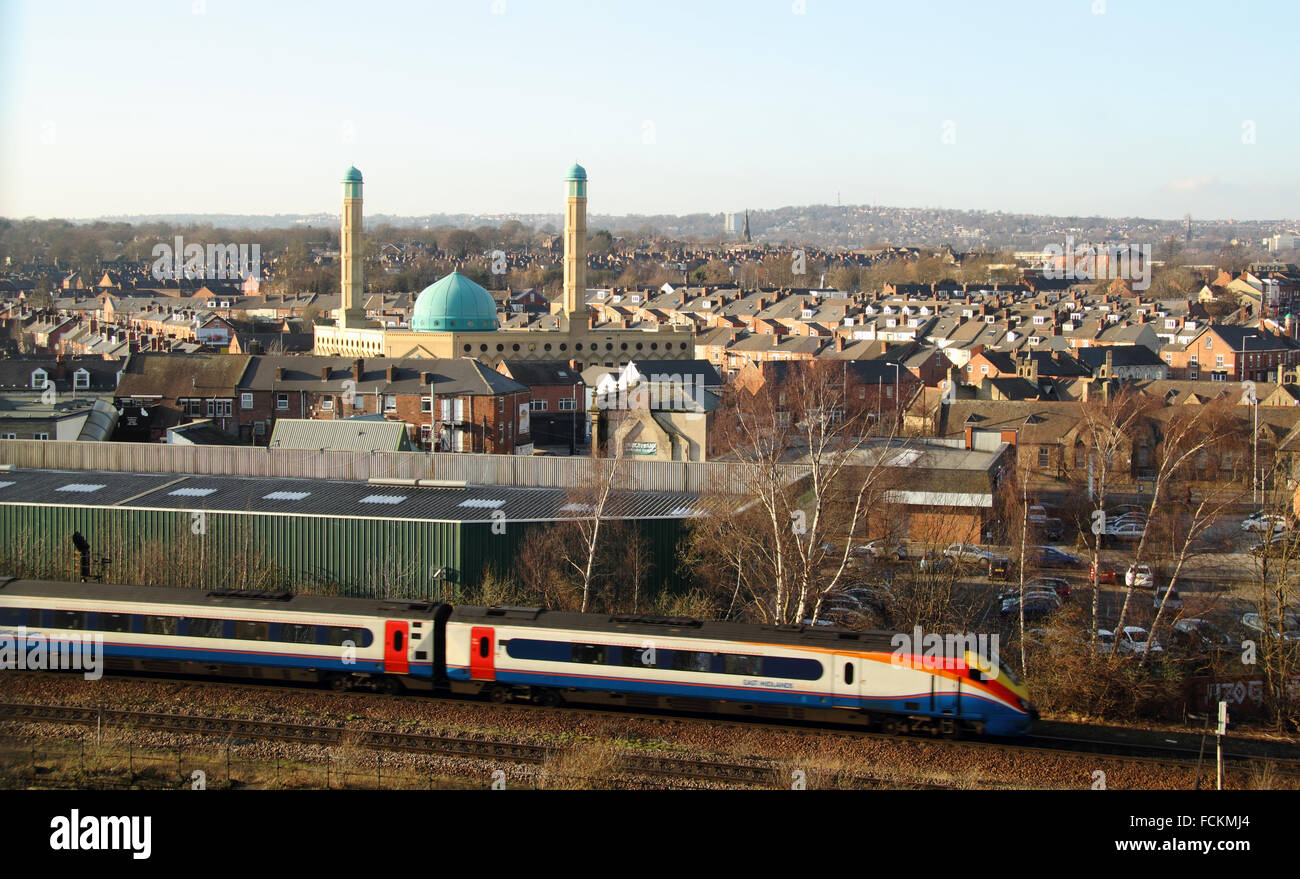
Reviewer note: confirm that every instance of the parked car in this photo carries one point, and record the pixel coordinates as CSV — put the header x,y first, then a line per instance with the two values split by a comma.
x,y
1140,577
1257,623
1129,530
1058,585
1262,521
1052,557
1001,568
968,553
1136,639
1053,528
883,549
1037,605
1037,514
1168,597
1273,545
1104,572
1202,636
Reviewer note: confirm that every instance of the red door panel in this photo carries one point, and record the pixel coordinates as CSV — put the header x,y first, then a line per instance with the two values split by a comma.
x,y
395,647
481,651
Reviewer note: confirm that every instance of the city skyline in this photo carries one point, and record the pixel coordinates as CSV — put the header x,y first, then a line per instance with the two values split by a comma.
x,y
472,108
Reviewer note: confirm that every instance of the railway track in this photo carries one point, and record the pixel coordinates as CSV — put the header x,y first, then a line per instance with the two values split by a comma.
x,y
764,773
468,746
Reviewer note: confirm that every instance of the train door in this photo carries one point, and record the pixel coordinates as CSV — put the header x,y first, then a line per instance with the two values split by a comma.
x,y
846,685
481,645
945,692
396,634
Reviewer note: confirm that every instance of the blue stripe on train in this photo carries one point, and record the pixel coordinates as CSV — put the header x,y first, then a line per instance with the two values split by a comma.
x,y
998,718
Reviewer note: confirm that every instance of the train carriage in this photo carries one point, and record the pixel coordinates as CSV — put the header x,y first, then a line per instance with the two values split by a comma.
x,y
385,645
728,668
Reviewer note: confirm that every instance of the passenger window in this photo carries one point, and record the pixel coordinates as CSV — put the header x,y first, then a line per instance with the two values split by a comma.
x,y
397,640
68,619
114,622
161,625
252,630
592,653
297,634
848,672
202,627
483,648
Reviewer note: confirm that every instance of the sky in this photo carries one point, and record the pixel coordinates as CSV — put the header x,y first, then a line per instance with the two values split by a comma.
x,y
1067,107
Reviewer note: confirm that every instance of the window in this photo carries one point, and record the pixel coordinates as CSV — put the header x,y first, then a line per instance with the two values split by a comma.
x,y
426,404
39,379
1193,375
591,653
42,436
1209,343
1044,457
252,630
336,635
568,404
537,405
114,622
1218,360
221,408
68,619
501,404
161,625
80,380
203,627
281,401
399,638
327,404
484,647
848,672
294,633
691,660
390,403
245,401
641,657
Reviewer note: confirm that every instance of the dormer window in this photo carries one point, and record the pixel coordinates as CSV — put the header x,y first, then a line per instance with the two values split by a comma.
x,y
806,314
1171,324
1040,319
988,318
81,380
40,379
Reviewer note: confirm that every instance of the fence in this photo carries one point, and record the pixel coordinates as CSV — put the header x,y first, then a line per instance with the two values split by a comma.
x,y
480,469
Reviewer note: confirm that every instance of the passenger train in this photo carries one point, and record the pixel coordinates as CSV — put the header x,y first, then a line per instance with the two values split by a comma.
x,y
508,653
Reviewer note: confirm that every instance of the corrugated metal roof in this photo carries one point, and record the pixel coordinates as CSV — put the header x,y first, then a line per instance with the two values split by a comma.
x,y
328,498
348,434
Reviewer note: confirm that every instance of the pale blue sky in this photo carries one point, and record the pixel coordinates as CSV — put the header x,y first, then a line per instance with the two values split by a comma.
x,y
674,107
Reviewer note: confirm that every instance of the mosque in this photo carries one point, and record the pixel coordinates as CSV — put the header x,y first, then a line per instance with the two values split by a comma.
x,y
455,317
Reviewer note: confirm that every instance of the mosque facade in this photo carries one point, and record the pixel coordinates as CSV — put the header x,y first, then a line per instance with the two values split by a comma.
x,y
455,317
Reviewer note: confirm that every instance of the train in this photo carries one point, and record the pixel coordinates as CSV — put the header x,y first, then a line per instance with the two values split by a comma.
x,y
798,673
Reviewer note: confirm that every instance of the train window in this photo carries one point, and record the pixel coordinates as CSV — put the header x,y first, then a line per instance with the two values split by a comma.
x,y
593,653
848,672
13,616
252,630
482,646
204,627
114,622
542,651
735,664
397,642
336,635
161,625
69,619
35,617
788,667
296,634
690,660
639,657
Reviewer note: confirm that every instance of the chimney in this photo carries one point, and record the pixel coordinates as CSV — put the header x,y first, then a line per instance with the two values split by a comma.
x,y
839,343
279,373
357,368
325,373
392,373
970,438
426,378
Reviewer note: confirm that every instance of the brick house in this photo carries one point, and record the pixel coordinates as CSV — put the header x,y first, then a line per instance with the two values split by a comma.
x,y
1232,353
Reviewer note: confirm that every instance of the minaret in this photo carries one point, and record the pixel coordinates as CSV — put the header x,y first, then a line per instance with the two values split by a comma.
x,y
575,249
352,312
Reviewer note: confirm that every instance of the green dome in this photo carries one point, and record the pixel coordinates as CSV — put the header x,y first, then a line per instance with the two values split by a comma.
x,y
352,175
454,303
576,172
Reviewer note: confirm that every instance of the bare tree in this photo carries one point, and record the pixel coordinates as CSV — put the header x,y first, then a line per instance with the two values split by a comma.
x,y
590,506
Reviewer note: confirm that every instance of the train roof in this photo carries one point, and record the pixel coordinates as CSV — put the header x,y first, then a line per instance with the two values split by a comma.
x,y
678,627
223,598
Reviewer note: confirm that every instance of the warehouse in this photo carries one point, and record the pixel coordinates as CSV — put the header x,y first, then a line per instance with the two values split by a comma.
x,y
384,538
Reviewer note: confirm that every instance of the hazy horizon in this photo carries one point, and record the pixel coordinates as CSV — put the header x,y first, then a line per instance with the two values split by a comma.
x,y
1090,108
